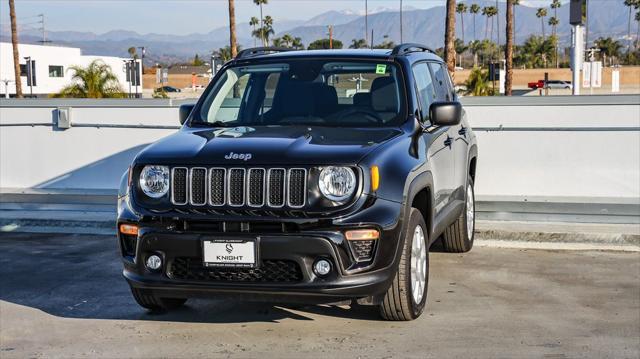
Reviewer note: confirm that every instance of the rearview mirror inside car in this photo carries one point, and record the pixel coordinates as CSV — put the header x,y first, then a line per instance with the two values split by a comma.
x,y
445,113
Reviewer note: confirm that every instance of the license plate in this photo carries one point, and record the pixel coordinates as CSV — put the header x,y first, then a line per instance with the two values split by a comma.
x,y
230,253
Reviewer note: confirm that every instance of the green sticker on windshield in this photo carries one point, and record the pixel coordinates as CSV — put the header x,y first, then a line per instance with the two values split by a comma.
x,y
381,69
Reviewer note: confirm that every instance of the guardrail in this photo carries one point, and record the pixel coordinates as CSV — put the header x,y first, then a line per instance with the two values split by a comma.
x,y
573,157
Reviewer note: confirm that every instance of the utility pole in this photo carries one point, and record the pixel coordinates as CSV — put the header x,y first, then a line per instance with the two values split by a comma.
x,y
44,32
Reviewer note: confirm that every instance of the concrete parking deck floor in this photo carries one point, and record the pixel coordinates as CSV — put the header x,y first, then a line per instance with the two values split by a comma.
x,y
63,296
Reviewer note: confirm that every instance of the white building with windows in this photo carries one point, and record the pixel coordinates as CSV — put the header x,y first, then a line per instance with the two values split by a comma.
x,y
52,65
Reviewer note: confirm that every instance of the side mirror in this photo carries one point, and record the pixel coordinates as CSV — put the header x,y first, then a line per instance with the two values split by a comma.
x,y
445,113
185,111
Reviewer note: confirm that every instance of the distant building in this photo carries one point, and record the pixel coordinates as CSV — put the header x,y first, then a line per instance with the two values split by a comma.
x,y
51,68
189,69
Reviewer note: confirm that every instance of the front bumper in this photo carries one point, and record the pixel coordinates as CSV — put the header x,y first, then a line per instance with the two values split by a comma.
x,y
349,278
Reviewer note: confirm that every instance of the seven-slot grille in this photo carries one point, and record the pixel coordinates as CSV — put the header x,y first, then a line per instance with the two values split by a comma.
x,y
239,187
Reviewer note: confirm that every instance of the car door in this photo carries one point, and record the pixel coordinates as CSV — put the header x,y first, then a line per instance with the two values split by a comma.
x,y
459,133
437,139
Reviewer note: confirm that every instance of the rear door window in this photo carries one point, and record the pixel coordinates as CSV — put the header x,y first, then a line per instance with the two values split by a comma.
x,y
426,90
442,82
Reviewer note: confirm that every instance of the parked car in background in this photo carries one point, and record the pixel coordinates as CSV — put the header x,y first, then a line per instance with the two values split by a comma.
x,y
281,186
168,89
552,84
559,84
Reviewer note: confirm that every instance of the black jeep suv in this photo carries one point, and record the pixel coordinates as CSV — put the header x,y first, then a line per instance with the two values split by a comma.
x,y
304,176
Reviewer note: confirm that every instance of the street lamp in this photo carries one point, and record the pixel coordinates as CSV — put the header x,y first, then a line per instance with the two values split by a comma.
x,y
142,53
30,74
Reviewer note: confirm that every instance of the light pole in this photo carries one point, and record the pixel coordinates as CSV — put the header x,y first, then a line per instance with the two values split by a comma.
x,y
30,76
142,53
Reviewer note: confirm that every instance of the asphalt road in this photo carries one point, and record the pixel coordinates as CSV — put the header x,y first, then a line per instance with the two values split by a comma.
x,y
63,296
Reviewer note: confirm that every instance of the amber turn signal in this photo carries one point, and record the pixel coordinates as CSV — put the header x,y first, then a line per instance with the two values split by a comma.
x,y
362,234
375,178
129,229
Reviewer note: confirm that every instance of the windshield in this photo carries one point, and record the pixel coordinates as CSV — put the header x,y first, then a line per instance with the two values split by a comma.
x,y
305,92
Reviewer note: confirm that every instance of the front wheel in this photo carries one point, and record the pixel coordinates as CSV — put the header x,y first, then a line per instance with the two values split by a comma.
x,y
406,297
458,238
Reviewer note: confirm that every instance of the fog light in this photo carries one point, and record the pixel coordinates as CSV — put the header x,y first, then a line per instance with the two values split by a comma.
x,y
154,262
322,267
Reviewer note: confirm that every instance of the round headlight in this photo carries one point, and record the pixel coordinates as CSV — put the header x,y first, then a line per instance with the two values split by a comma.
x,y
154,181
337,183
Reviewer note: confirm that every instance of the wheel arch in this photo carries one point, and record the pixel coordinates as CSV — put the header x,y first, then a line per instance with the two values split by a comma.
x,y
420,196
473,160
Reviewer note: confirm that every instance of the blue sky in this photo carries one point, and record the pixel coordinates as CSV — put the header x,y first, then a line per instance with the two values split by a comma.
x,y
179,16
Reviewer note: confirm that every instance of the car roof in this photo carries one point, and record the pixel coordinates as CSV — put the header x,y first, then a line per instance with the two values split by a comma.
x,y
381,54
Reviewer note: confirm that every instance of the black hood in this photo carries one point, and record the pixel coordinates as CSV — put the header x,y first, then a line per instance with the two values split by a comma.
x,y
283,145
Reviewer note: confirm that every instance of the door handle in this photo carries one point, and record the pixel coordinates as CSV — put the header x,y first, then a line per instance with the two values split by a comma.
x,y
448,141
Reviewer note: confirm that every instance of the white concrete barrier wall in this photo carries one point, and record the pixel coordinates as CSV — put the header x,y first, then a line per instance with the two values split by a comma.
x,y
555,148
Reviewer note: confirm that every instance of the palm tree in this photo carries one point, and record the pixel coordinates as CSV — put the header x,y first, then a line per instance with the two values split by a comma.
x,y
515,3
536,51
224,53
489,12
555,5
553,22
460,49
461,9
297,43
14,44
97,80
278,42
630,4
475,47
478,83
508,50
449,36
474,9
267,28
232,29
132,52
485,12
541,14
638,30
493,11
608,48
253,22
358,44
260,3
287,39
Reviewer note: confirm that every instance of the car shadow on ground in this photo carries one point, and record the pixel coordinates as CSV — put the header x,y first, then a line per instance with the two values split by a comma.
x,y
79,276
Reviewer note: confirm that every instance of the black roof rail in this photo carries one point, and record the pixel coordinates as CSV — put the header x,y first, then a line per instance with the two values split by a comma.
x,y
409,47
259,50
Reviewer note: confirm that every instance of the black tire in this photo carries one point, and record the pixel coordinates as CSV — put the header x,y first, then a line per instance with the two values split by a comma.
x,y
155,304
399,303
456,238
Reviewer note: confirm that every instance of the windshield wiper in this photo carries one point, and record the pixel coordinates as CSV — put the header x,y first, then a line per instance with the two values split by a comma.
x,y
210,124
